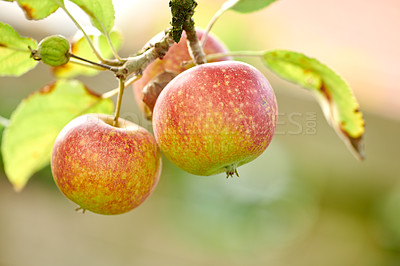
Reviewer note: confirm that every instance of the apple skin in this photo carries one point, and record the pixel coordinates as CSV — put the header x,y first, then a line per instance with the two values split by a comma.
x,y
172,61
105,169
215,117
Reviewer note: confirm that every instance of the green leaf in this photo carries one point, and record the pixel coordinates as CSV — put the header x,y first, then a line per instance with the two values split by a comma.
x,y
36,10
28,140
335,96
101,13
247,6
81,48
14,52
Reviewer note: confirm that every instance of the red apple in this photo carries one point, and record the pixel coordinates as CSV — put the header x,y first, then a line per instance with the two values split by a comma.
x,y
215,117
171,62
105,169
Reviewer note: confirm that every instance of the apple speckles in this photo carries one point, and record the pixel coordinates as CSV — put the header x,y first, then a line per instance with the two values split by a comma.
x,y
102,174
223,124
216,85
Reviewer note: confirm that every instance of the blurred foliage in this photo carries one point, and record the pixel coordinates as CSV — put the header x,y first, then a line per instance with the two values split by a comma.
x,y
1,157
267,207
387,214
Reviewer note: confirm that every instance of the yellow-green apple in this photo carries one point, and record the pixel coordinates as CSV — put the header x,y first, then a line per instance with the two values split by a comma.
x,y
215,117
162,71
103,168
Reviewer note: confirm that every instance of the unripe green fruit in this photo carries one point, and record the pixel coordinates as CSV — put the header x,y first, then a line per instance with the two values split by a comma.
x,y
53,51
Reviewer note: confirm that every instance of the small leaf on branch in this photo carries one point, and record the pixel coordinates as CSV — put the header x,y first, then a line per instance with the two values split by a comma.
x,y
35,10
335,96
28,140
15,56
101,13
247,6
82,49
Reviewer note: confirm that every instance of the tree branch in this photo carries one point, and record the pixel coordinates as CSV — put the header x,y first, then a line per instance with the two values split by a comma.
x,y
182,13
136,64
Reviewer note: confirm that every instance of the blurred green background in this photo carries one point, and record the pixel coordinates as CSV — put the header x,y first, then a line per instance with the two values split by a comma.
x,y
305,201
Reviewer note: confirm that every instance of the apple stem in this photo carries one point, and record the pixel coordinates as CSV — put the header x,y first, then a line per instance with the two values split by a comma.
x,y
195,49
119,101
115,91
103,66
76,62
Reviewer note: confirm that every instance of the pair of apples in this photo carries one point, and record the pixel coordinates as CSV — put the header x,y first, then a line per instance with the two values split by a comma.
x,y
209,119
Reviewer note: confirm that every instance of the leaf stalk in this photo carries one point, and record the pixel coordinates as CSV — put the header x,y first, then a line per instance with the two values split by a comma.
x,y
84,33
